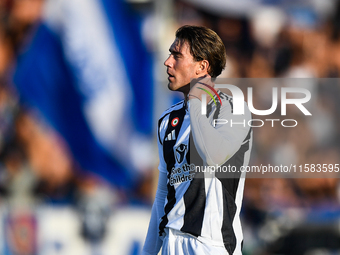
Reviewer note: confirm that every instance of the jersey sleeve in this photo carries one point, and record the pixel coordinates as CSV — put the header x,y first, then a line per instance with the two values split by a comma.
x,y
153,242
161,133
217,141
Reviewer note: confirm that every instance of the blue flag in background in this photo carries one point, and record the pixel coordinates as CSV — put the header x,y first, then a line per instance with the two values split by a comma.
x,y
88,72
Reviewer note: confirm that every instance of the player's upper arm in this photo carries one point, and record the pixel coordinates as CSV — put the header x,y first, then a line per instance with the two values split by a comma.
x,y
232,133
162,125
218,143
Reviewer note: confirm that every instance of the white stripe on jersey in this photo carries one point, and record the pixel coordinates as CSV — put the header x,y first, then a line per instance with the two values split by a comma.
x,y
237,222
213,213
176,215
185,135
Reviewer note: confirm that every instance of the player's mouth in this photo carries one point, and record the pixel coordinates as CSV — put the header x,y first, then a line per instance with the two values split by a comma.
x,y
171,77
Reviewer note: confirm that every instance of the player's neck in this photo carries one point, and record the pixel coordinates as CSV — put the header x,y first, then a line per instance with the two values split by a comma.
x,y
185,90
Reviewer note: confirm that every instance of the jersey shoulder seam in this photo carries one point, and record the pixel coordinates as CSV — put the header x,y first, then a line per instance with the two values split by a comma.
x,y
172,108
177,106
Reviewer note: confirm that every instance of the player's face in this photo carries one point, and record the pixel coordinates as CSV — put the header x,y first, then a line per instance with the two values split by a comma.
x,y
181,66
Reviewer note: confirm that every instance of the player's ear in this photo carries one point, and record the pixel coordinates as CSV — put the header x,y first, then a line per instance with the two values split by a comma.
x,y
203,67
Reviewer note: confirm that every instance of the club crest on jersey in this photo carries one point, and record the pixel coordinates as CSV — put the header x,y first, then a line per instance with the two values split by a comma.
x,y
180,152
174,122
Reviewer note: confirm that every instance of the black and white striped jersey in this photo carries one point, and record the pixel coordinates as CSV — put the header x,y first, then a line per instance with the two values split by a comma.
x,y
205,204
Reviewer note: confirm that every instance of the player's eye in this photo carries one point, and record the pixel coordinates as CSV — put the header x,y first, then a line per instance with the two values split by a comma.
x,y
175,55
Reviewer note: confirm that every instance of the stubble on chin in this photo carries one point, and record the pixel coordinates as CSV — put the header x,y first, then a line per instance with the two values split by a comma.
x,y
170,87
184,89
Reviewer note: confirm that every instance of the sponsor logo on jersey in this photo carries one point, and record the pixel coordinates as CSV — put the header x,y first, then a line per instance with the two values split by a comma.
x,y
171,136
181,174
180,152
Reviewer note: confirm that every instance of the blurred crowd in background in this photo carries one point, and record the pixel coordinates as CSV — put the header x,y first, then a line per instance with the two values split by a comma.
x,y
42,166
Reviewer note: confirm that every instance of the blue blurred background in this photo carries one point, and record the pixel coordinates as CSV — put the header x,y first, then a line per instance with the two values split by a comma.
x,y
82,84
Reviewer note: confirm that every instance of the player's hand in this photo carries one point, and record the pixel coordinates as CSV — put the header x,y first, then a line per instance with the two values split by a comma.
x,y
202,84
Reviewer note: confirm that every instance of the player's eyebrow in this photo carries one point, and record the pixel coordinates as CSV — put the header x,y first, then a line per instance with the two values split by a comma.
x,y
175,52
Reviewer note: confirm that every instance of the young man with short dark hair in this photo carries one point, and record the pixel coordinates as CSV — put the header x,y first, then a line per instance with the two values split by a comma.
x,y
197,212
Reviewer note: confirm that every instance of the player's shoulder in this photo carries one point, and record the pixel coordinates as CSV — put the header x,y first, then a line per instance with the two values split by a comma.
x,y
225,101
164,119
229,103
223,96
172,108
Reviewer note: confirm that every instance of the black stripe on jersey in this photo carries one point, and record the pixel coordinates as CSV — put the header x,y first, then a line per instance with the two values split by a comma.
x,y
194,198
170,161
223,96
231,104
211,104
227,98
209,108
217,112
230,182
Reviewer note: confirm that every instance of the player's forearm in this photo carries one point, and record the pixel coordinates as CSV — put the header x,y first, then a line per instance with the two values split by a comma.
x,y
215,144
153,242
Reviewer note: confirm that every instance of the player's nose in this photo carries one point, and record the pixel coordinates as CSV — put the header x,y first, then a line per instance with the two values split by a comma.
x,y
168,62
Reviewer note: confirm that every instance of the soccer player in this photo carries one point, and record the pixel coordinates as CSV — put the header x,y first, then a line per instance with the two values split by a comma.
x,y
197,211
